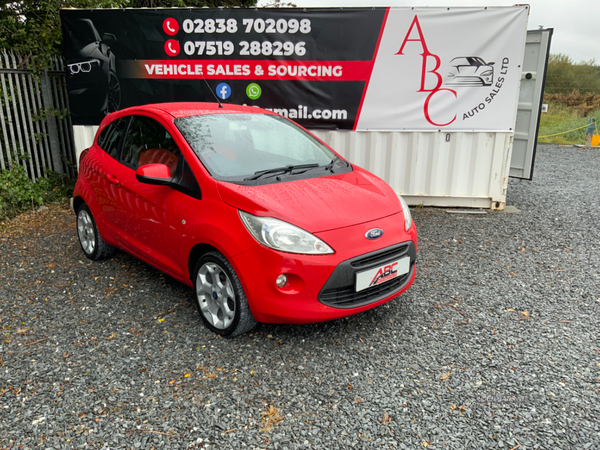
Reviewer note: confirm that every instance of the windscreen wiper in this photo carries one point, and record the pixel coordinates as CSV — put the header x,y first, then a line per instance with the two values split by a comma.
x,y
284,169
332,163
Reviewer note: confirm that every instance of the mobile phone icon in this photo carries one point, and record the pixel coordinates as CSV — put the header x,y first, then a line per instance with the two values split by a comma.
x,y
170,26
172,47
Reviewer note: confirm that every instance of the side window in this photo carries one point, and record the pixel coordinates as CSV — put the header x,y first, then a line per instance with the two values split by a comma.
x,y
148,142
103,135
111,137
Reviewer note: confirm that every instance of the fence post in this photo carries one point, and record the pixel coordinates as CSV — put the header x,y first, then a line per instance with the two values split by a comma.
x,y
48,103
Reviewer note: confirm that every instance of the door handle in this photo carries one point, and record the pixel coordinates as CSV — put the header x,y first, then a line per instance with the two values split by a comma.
x,y
112,179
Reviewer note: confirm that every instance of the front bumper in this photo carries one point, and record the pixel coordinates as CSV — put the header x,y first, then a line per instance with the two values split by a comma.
x,y
321,287
88,91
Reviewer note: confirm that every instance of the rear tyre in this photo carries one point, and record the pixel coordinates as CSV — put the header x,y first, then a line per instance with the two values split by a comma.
x,y
220,298
90,240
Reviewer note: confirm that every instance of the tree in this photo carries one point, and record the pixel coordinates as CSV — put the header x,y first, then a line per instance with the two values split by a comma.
x,y
564,75
187,3
32,27
279,4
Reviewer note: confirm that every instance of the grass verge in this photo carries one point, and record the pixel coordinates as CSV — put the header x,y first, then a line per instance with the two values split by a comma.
x,y
561,118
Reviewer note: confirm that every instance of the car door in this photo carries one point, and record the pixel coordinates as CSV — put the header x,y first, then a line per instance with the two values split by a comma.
x,y
147,216
103,167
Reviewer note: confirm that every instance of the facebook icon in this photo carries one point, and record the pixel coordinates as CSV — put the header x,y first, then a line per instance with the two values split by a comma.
x,y
223,91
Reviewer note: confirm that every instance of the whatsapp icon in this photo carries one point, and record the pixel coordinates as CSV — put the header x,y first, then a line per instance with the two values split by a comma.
x,y
253,91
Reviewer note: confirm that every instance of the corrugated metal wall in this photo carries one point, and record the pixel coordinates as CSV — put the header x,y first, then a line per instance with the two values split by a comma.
x,y
435,169
84,137
468,170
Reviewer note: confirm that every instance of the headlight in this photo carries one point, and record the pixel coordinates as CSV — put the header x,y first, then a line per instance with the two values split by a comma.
x,y
487,73
83,67
280,235
407,216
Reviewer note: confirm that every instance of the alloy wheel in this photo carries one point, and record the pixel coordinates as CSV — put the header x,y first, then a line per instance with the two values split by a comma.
x,y
215,295
86,232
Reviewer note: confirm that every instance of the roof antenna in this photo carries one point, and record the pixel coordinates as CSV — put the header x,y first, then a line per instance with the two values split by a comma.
x,y
210,89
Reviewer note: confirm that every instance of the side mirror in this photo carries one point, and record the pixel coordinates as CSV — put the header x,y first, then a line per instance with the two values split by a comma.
x,y
158,174
109,39
490,64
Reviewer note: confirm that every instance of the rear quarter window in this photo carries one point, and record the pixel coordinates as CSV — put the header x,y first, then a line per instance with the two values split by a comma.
x,y
111,137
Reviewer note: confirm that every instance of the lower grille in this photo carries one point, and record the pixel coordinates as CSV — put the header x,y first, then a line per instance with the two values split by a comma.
x,y
469,81
340,289
347,297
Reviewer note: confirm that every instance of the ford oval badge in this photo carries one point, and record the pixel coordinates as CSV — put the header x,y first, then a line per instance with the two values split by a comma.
x,y
374,233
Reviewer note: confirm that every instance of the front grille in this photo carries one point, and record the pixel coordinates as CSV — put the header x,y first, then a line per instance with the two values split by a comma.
x,y
466,80
377,258
340,289
346,297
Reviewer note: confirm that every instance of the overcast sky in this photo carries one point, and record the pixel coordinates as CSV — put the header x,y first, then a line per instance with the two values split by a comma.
x,y
576,23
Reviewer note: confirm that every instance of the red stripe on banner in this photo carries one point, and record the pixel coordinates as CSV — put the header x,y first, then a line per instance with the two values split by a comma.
x,y
249,70
372,66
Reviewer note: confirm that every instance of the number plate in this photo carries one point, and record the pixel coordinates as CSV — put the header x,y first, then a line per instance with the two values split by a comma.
x,y
382,274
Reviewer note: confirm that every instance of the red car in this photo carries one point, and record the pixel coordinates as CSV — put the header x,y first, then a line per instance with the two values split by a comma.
x,y
264,220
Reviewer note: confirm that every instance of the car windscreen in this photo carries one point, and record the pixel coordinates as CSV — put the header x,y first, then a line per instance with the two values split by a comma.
x,y
236,146
468,61
82,33
476,61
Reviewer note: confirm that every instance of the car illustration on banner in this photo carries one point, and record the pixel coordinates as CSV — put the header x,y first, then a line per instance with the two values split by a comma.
x,y
261,218
92,80
470,71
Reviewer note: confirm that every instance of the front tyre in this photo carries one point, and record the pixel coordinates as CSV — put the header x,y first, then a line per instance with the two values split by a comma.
x,y
113,93
90,240
220,297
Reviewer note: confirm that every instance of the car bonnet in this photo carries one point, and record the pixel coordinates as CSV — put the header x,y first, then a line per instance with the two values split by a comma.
x,y
317,204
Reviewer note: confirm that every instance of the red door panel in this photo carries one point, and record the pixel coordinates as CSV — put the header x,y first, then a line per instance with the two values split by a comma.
x,y
147,220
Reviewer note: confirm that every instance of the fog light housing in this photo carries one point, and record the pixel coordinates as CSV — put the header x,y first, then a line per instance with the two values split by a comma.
x,y
281,280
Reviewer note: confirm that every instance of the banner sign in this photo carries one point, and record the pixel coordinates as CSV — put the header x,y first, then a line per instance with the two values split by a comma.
x,y
356,69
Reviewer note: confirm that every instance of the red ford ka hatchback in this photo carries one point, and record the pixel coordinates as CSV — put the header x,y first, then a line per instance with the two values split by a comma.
x,y
264,220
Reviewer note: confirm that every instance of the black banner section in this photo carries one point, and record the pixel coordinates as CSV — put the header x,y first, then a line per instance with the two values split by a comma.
x,y
309,65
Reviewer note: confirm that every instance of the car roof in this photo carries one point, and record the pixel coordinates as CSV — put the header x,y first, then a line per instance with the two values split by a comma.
x,y
185,109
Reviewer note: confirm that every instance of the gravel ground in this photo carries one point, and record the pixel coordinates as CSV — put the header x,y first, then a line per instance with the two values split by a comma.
x,y
496,346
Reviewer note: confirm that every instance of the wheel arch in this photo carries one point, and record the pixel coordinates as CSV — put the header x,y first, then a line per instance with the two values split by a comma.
x,y
77,202
196,253
84,195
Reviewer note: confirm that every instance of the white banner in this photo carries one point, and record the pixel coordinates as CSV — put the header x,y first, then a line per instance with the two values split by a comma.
x,y
446,69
